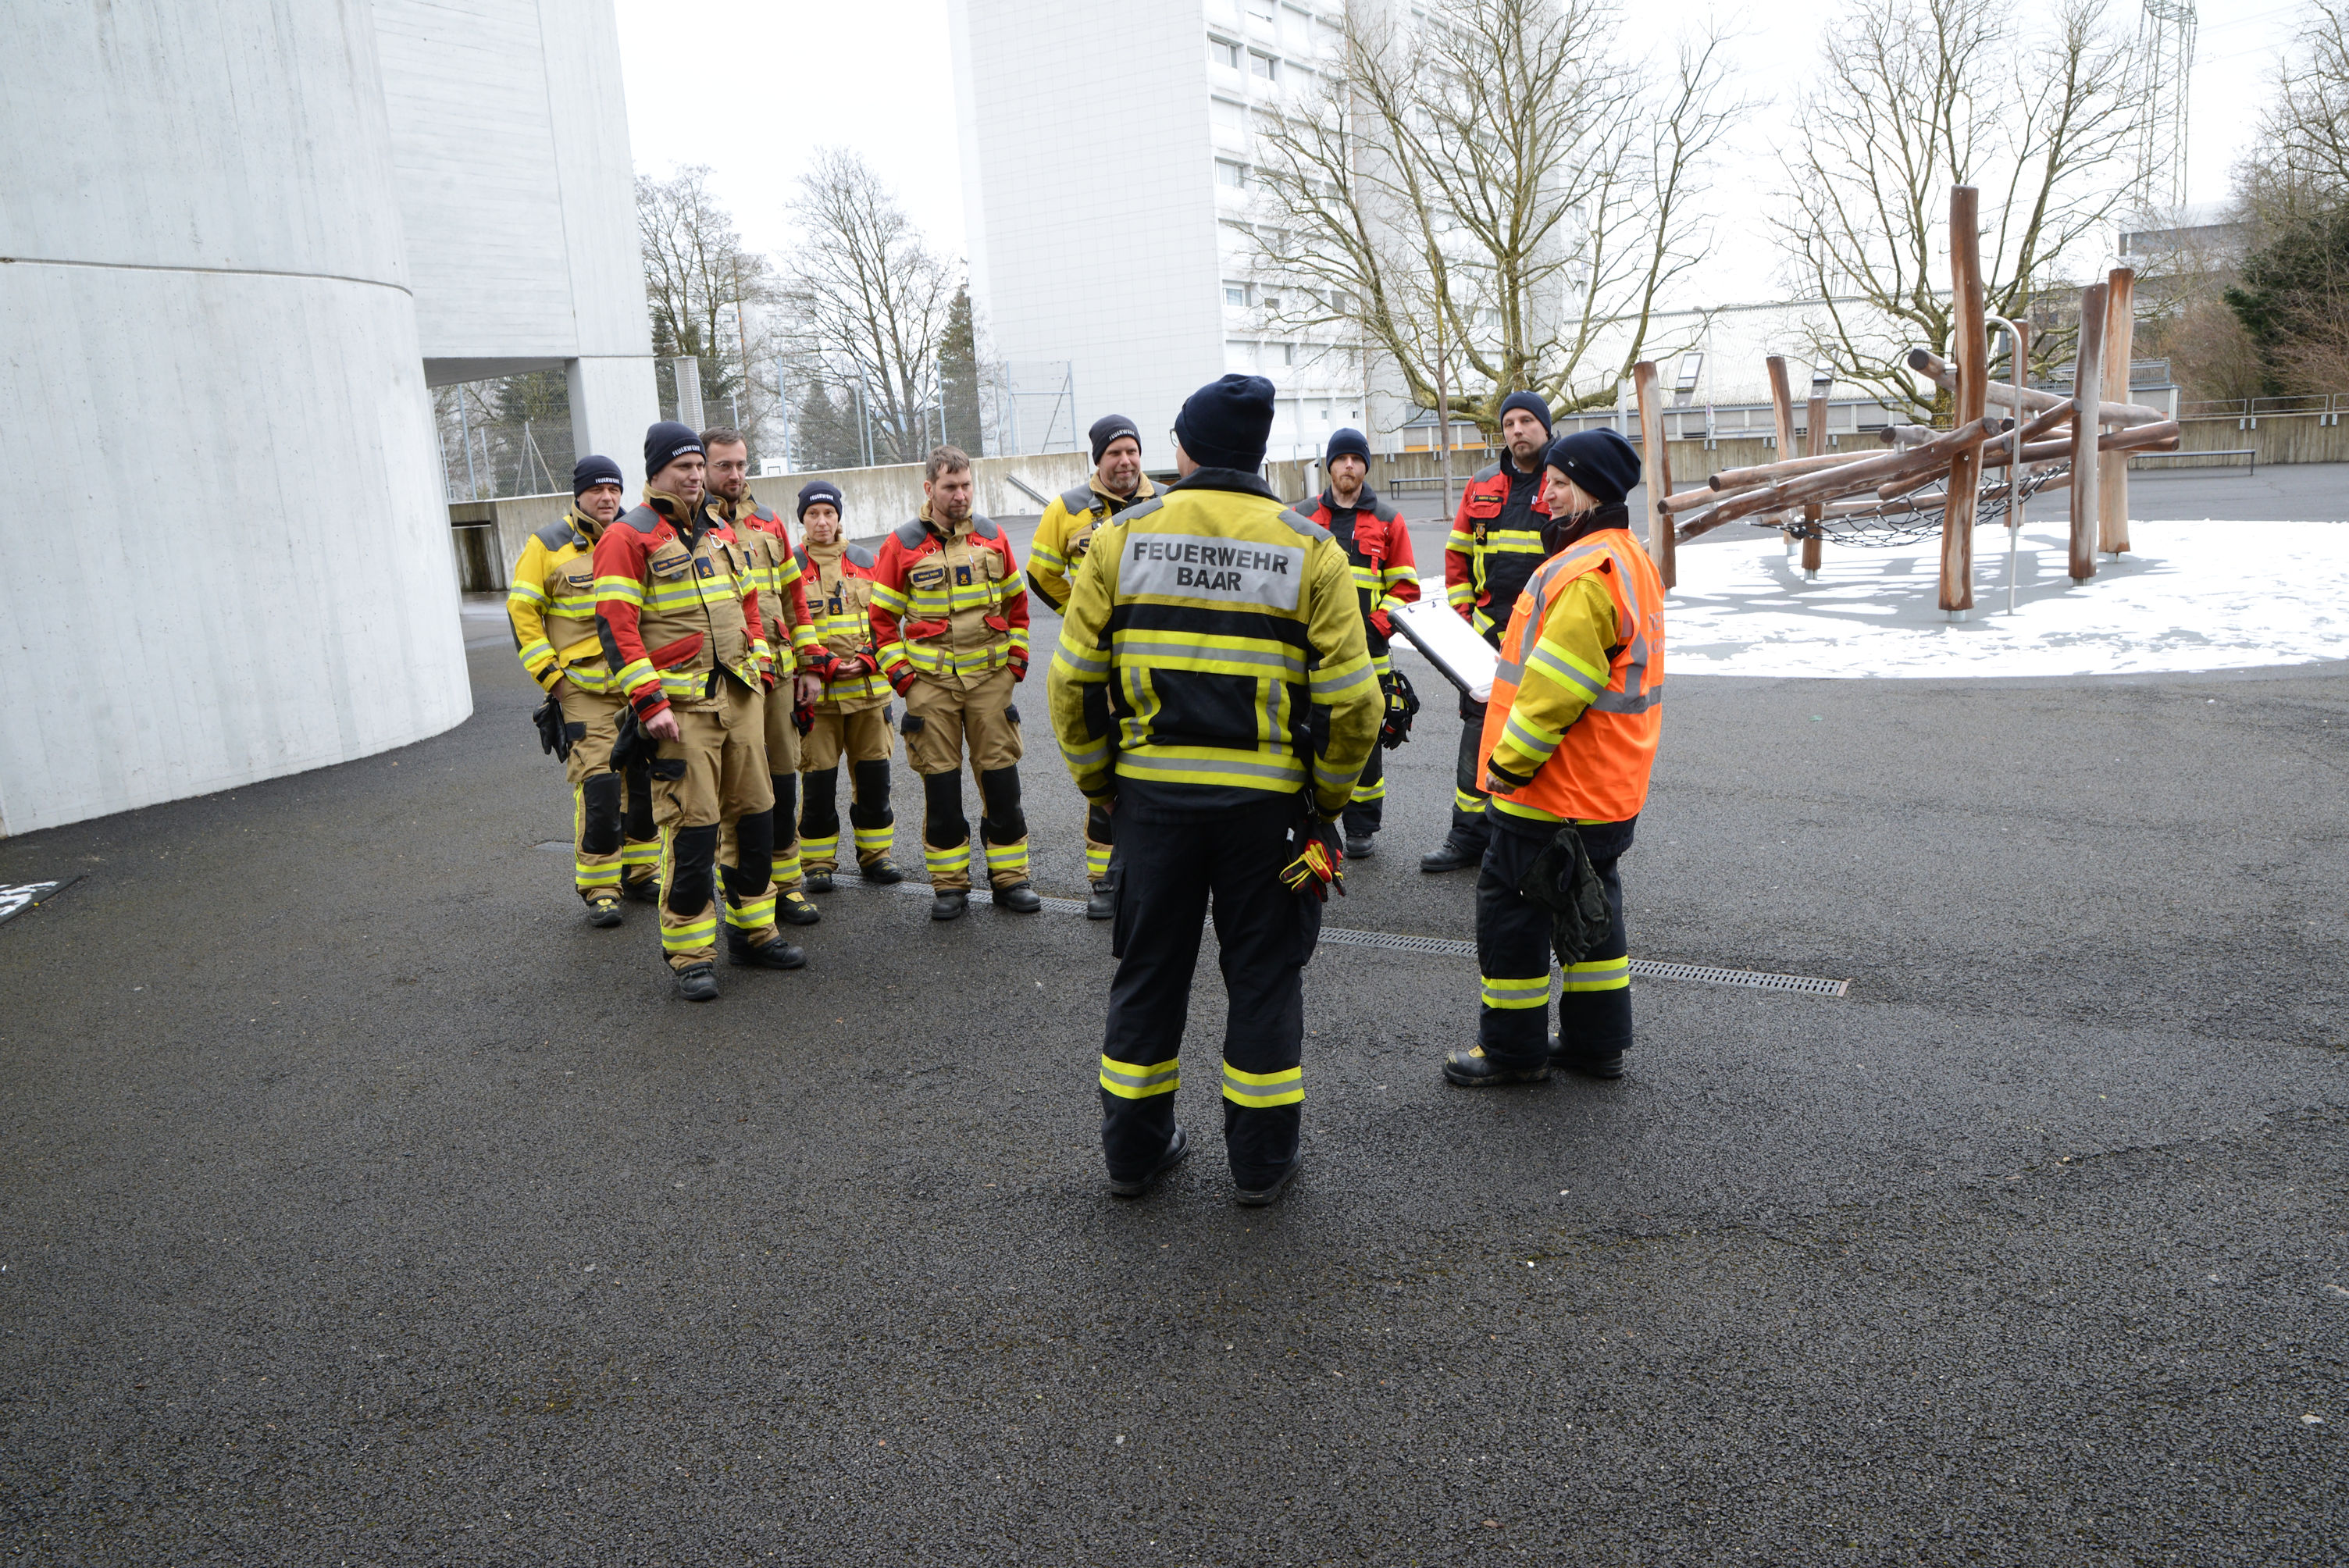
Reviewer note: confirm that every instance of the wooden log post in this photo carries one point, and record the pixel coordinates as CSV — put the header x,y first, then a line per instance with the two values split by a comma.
x,y
1655,468
1814,547
2087,388
2112,468
1782,408
1970,346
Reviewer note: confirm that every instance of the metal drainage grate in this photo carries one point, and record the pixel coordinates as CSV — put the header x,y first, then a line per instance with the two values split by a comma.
x,y
1451,947
17,897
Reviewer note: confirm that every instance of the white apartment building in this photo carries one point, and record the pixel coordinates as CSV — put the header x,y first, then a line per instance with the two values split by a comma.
x,y
1106,151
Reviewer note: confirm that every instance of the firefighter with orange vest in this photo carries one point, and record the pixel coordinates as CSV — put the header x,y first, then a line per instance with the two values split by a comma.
x,y
1495,544
679,612
1569,739
950,620
1377,544
852,715
551,605
790,637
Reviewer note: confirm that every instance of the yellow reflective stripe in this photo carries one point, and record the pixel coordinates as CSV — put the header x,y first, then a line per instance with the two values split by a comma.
x,y
888,598
694,934
1462,540
1512,542
1053,560
1094,756
1458,593
626,588
1556,661
752,914
641,852
1465,800
526,594
1257,1091
1397,574
1132,1081
1079,665
1259,769
537,649
875,838
1529,737
1600,974
1207,653
1377,792
953,858
1516,992
1006,854
1328,682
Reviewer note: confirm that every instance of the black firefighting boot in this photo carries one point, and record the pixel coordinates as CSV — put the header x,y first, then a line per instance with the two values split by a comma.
x,y
1360,847
951,903
792,908
1019,898
1262,1197
697,983
1451,855
604,907
1599,1066
1102,906
1177,1147
773,953
1472,1068
881,874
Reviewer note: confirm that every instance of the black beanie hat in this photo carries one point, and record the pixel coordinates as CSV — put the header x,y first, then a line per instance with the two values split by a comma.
x,y
666,442
1345,442
1223,424
592,470
815,490
1601,462
1531,402
1107,429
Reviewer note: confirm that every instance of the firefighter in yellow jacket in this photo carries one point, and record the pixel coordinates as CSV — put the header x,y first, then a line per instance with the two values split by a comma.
x,y
1211,636
852,715
782,606
1570,740
615,847
1064,534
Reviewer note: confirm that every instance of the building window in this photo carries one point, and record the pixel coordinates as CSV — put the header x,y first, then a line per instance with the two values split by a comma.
x,y
1272,302
1222,54
1232,174
1234,294
1262,10
1264,65
1288,354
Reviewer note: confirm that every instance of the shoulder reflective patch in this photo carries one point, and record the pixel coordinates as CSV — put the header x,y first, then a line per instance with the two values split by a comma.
x,y
1077,501
555,535
911,534
1141,510
984,527
1303,524
1384,509
1228,571
859,554
643,519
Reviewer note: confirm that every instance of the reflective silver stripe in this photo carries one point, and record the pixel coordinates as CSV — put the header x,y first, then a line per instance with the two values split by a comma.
x,y
1509,670
1331,688
1142,761
1083,664
1146,1079
1563,673
1630,702
1091,756
1137,645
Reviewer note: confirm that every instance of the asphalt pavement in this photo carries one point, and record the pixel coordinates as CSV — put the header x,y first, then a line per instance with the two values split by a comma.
x,y
361,1204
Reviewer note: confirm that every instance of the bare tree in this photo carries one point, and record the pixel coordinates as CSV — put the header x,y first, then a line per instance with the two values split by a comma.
x,y
2303,144
1914,96
706,290
872,298
1492,188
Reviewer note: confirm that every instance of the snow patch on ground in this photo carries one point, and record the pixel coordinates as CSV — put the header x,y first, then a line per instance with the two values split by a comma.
x,y
2188,596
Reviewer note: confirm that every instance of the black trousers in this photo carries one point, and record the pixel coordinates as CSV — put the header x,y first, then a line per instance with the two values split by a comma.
x,y
1171,874
1468,799
1514,954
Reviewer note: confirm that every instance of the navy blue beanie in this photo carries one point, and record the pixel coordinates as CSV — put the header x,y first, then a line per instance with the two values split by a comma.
x,y
666,442
1107,429
1601,462
592,470
816,490
1225,423
1531,402
1345,442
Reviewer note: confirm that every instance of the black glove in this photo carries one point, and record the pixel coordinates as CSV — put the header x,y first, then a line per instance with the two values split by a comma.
x,y
633,745
551,734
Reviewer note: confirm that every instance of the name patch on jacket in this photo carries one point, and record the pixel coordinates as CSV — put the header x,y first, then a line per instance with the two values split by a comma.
x,y
1234,571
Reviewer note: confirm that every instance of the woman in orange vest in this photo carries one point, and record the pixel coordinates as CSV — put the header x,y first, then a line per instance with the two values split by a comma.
x,y
1569,738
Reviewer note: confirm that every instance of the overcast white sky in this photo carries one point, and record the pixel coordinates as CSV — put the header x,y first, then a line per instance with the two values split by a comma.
x,y
752,87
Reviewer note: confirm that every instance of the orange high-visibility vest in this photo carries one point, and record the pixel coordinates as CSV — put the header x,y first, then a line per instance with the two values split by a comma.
x,y
1599,771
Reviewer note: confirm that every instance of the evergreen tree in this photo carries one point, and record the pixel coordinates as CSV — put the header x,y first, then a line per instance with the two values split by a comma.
x,y
959,370
823,431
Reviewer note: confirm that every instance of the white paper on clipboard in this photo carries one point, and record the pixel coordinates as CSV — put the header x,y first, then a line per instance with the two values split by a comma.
x,y
1466,659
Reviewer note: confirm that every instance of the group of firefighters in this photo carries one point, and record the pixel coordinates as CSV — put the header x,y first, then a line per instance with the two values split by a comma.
x,y
1219,692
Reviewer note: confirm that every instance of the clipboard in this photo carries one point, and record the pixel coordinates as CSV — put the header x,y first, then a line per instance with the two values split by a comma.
x,y
1450,645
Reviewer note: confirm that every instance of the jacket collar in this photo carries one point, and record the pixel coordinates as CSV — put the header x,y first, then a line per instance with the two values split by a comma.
x,y
1365,500
1241,482
1560,533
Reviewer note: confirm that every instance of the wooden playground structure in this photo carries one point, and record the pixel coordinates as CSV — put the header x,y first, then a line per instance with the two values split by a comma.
x,y
1932,480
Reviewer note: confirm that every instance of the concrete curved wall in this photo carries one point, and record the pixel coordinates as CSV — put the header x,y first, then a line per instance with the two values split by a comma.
x,y
228,558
